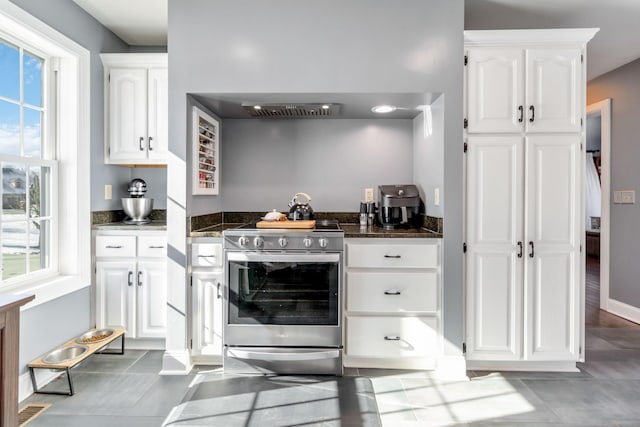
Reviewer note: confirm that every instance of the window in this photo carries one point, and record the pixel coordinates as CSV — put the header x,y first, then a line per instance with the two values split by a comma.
x,y
27,173
45,219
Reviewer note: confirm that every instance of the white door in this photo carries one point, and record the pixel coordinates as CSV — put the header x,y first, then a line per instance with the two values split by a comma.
x,y
152,299
554,82
495,80
127,114
494,259
207,314
157,140
553,234
115,292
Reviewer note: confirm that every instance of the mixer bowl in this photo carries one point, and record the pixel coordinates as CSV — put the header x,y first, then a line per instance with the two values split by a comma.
x,y
137,208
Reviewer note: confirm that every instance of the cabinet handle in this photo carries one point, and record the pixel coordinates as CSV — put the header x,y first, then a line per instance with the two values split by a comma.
x,y
393,256
391,338
206,256
531,247
533,113
139,278
156,247
149,145
392,292
519,249
130,278
520,113
219,294
140,143
113,246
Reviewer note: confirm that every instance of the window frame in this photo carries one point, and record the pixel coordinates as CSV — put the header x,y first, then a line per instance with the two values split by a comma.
x,y
72,125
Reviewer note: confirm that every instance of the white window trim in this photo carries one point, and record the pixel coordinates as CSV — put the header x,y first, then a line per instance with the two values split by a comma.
x,y
73,107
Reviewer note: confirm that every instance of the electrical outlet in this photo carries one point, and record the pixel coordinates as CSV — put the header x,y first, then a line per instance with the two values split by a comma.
x,y
436,197
624,196
368,194
107,192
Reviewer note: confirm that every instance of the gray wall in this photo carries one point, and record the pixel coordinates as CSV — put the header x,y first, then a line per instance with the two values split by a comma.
x,y
428,145
623,87
594,131
53,323
218,46
267,161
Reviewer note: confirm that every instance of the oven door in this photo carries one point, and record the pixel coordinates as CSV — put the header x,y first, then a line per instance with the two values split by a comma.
x,y
281,299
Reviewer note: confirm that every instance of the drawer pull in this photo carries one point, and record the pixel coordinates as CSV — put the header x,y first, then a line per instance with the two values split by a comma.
x,y
393,256
392,338
206,256
392,292
113,246
156,247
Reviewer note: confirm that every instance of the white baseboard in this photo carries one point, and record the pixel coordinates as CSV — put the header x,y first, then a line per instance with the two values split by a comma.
x,y
176,363
43,377
623,310
521,365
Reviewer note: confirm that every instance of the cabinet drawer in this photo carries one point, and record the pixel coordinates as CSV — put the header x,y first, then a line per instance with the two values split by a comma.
x,y
115,246
394,255
391,337
392,292
152,246
206,254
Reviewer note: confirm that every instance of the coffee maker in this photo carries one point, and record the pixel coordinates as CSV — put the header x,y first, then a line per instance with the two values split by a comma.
x,y
399,206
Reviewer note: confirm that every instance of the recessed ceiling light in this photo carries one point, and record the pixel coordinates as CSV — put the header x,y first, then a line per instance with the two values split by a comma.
x,y
326,107
383,109
257,107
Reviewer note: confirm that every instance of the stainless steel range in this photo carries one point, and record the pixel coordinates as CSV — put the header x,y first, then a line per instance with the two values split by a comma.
x,y
283,307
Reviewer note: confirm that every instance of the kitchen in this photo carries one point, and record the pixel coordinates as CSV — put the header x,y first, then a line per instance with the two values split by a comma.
x,y
341,61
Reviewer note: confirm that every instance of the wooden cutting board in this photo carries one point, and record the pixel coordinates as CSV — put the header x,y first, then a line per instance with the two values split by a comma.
x,y
287,224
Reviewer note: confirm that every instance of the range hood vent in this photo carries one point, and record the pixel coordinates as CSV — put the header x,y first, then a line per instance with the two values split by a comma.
x,y
292,111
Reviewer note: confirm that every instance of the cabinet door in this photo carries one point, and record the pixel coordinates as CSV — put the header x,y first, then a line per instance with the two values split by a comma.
x,y
494,222
127,114
554,95
207,314
495,82
115,295
552,292
158,116
151,281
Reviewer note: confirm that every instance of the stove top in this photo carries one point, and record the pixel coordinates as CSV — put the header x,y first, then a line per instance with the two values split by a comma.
x,y
321,225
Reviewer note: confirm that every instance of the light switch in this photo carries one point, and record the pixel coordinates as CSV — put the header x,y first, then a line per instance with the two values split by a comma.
x,y
436,197
624,196
107,192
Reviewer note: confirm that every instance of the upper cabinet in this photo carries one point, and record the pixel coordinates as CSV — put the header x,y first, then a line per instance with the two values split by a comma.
x,y
516,86
136,108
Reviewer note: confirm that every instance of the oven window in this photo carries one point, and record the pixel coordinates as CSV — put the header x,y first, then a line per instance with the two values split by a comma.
x,y
283,293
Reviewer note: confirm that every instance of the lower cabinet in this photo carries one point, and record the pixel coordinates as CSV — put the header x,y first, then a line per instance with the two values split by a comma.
x,y
392,303
207,296
131,283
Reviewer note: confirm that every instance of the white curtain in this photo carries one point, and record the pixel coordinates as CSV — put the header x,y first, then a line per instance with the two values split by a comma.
x,y
592,189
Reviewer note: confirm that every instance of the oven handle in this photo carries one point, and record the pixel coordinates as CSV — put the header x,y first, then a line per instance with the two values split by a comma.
x,y
274,357
297,257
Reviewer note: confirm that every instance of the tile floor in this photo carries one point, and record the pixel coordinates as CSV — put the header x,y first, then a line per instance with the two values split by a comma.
x,y
126,391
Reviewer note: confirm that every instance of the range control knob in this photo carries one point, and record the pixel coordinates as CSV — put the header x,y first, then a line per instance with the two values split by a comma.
x,y
307,242
283,242
258,242
323,242
243,241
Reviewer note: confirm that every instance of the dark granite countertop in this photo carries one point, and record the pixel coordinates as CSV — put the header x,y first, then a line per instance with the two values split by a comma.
x,y
214,230
160,225
355,230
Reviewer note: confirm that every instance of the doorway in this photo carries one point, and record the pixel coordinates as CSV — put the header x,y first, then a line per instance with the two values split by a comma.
x,y
598,119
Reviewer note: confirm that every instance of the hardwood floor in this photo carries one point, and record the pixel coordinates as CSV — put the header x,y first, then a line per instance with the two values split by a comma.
x,y
594,317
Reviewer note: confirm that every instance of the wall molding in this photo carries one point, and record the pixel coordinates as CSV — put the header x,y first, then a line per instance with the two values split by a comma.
x,y
623,310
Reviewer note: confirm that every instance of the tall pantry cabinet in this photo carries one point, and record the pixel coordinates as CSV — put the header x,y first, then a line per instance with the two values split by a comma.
x,y
524,123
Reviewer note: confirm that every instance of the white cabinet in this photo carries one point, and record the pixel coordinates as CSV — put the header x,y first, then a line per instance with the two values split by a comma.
x,y
524,288
513,89
207,293
131,283
392,303
136,108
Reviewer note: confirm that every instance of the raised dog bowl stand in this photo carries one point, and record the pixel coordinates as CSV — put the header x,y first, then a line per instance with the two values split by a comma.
x,y
70,354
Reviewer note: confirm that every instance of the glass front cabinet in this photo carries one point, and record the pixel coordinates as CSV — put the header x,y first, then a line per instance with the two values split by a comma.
x,y
206,153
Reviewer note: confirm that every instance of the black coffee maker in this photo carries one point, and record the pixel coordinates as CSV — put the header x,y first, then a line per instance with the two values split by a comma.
x,y
399,206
